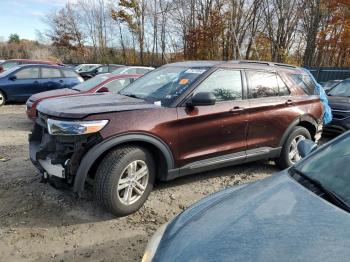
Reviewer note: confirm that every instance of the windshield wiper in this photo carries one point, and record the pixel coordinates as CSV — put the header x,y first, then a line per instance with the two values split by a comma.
x,y
335,198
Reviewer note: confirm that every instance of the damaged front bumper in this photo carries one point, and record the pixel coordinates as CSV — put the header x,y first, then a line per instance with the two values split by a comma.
x,y
58,156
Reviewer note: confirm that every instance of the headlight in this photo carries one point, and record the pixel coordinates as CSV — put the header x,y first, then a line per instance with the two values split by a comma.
x,y
153,244
69,128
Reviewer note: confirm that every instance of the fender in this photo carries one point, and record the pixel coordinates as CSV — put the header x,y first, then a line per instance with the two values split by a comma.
x,y
297,121
96,151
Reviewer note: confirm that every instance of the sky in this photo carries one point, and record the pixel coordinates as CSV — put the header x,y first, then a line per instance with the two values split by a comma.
x,y
24,17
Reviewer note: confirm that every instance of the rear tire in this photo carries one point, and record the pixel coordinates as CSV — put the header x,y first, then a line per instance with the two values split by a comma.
x,y
2,99
124,180
289,154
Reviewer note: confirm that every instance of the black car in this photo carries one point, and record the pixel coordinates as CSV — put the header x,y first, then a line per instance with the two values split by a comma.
x,y
101,69
339,101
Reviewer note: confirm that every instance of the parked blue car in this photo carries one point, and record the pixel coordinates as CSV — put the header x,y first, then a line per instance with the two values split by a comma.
x,y
20,82
300,214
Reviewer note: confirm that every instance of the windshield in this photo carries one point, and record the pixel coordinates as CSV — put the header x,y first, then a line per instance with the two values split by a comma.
x,y
91,83
330,167
342,89
8,64
163,85
10,71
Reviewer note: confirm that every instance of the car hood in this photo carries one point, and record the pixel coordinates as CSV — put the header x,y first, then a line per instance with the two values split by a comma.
x,y
53,93
275,219
80,106
339,102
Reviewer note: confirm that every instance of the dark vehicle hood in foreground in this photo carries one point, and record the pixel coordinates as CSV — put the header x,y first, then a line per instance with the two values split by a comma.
x,y
339,102
275,219
80,106
53,93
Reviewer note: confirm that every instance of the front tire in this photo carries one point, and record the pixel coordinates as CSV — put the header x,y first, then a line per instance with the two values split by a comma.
x,y
124,180
289,154
2,99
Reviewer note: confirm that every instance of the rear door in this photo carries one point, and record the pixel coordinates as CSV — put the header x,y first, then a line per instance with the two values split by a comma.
x,y
51,79
271,109
213,131
26,83
70,78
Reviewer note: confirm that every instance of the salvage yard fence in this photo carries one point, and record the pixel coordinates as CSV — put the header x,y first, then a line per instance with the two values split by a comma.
x,y
324,74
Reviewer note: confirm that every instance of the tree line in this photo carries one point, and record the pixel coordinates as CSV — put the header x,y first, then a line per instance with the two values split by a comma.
x,y
155,32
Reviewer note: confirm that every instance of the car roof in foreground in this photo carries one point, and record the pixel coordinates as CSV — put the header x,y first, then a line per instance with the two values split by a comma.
x,y
272,218
46,65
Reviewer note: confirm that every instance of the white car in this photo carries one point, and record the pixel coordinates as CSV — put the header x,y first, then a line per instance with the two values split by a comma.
x,y
85,67
132,70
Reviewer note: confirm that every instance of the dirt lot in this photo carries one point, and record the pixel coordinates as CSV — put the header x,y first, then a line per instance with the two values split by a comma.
x,y
40,223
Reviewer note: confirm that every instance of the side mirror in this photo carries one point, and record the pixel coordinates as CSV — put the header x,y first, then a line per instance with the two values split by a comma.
x,y
306,147
13,77
103,90
202,99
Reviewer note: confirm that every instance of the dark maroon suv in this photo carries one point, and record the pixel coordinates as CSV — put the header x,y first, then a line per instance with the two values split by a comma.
x,y
177,120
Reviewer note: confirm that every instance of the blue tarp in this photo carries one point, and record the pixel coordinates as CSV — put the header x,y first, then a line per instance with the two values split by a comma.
x,y
327,114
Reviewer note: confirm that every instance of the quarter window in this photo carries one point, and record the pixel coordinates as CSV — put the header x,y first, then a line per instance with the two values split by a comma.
x,y
262,84
225,84
28,73
50,73
305,82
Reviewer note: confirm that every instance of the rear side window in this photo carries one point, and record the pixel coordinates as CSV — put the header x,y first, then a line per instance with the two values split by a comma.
x,y
262,84
28,73
50,73
283,89
225,84
305,82
69,73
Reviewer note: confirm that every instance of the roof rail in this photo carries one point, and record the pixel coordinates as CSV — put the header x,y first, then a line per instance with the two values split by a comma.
x,y
262,63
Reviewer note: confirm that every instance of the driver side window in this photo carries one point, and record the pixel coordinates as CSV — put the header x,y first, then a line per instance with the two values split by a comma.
x,y
225,84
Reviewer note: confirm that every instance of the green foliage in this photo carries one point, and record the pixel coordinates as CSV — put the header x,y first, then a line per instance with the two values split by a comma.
x,y
14,38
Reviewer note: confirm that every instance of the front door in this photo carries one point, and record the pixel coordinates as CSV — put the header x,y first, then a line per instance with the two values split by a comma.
x,y
25,83
209,132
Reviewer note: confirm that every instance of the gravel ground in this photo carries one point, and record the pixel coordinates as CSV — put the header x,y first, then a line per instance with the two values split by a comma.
x,y
40,223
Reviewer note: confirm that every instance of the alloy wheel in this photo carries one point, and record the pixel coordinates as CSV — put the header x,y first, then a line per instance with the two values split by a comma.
x,y
133,182
293,149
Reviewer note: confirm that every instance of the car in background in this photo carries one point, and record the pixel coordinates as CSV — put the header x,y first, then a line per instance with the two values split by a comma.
x,y
20,82
14,62
98,84
179,119
85,67
330,84
101,69
299,214
133,70
339,101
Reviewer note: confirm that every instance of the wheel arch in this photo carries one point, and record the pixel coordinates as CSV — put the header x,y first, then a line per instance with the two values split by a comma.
x,y
306,121
92,158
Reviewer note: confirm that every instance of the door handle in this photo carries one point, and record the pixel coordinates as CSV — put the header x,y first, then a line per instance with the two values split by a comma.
x,y
289,102
236,110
